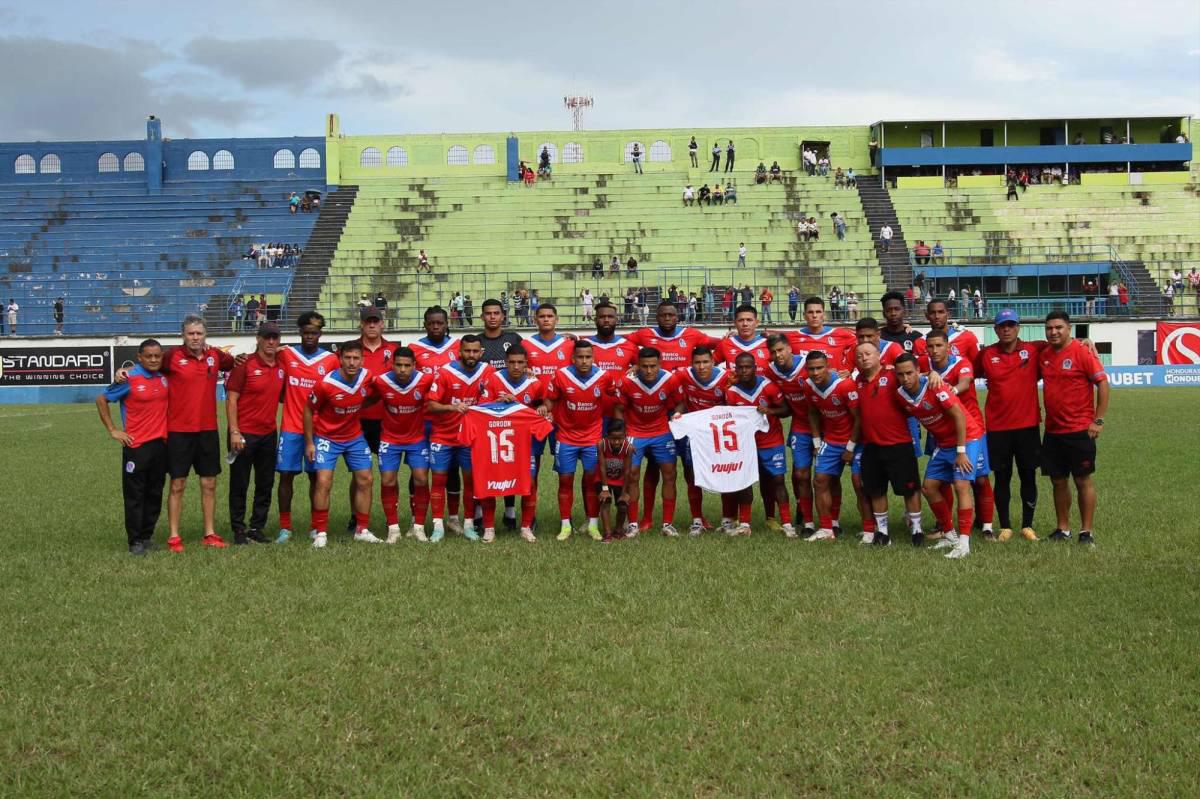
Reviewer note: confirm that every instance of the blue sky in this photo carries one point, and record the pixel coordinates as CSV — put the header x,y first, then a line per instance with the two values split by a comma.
x,y
77,70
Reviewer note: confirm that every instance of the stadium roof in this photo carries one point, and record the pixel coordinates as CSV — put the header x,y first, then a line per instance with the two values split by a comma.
x,y
1092,117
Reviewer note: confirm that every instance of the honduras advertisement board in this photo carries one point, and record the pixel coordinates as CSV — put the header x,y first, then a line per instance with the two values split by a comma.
x,y
1154,376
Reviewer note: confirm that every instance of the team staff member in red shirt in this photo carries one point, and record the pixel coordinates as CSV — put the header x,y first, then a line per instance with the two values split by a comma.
x,y
1075,390
192,439
377,359
143,398
253,391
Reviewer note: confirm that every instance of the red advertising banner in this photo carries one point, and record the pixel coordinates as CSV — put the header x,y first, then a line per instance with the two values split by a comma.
x,y
1177,343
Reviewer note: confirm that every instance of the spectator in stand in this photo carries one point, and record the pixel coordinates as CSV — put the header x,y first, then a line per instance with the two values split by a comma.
x,y
727,303
1112,306
814,230
823,166
716,157
534,304
839,178
262,310
423,262
468,310
544,163
1169,298
294,203
921,252
873,150
1079,139
381,304
776,172
793,302
689,195
951,302
237,312
741,254
693,304
852,306
729,157
909,297
693,149
705,196
1023,179
1090,290
765,298
885,238
1123,296
1194,284
630,301
718,194
760,173
835,302
11,311
597,268
505,307
631,267
978,303
635,155
851,179
614,267
938,252
1177,281
456,312
58,316
643,306
1011,182
839,226
363,301
746,295
802,229
251,313
730,194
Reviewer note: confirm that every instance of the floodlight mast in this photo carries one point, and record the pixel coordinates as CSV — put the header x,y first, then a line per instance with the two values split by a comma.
x,y
576,104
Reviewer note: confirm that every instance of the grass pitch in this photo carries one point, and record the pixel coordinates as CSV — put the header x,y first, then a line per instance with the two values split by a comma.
x,y
710,667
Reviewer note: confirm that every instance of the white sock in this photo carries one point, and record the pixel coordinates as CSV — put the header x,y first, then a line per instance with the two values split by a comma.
x,y
697,520
593,520
510,513
987,527
914,522
566,522
881,522
418,528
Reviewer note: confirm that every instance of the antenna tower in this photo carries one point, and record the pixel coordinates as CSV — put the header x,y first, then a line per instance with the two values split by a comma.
x,y
576,105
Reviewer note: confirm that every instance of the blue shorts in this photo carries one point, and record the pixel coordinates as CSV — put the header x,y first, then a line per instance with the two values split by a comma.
x,y
914,430
568,455
659,449
289,455
801,445
772,460
392,455
829,460
444,457
539,446
356,452
941,464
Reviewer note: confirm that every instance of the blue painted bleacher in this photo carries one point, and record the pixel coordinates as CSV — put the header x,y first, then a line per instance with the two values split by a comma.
x,y
129,262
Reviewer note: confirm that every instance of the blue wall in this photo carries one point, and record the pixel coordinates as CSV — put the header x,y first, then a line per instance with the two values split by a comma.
x,y
1073,154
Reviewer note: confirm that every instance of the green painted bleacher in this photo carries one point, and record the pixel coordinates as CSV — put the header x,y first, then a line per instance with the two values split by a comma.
x,y
484,235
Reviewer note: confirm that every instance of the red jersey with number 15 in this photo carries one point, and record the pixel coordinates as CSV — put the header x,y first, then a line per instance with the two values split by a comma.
x,y
929,408
648,405
834,401
301,373
403,407
336,404
500,436
454,384
578,400
764,394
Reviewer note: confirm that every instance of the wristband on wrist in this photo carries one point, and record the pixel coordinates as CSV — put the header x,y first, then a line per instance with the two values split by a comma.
x,y
961,450
818,442
850,445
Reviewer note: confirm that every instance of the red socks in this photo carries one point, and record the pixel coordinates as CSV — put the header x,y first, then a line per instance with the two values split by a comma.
x,y
489,512
785,513
320,520
591,497
947,492
804,509
695,502
836,510
362,521
437,495
966,517
420,503
529,508
827,523
985,501
285,520
390,496
668,511
566,496
632,511
744,511
942,512
649,489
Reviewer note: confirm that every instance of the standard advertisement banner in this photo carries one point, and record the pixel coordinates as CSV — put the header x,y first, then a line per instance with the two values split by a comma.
x,y
56,366
1185,376
1178,343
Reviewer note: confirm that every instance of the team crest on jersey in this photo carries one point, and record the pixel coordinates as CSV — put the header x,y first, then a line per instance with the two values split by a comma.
x,y
682,344
719,393
320,370
925,404
596,392
560,355
279,373
416,395
163,380
620,352
1066,364
836,401
526,399
210,360
662,395
1022,354
362,391
908,345
829,341
883,381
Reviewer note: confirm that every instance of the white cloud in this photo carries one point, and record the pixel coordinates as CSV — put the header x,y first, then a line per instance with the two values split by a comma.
x,y
998,64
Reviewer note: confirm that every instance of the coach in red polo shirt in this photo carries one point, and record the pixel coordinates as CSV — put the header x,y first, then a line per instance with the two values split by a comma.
x,y
192,440
252,394
1075,392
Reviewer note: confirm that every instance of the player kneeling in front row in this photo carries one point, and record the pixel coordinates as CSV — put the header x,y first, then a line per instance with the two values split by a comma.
x,y
404,392
941,413
614,472
332,431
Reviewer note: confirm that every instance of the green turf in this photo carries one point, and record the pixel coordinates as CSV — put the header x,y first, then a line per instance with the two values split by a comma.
x,y
655,668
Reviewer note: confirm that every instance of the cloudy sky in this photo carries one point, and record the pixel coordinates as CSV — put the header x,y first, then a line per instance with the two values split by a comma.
x,y
76,70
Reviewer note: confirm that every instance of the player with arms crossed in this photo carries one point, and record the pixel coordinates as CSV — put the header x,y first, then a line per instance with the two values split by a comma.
x,y
515,384
575,398
834,421
304,365
788,371
648,397
614,473
703,385
753,390
403,392
457,386
332,431
1075,390
940,412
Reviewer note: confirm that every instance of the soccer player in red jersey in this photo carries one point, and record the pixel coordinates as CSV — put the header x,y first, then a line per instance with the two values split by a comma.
x,y
887,453
614,462
746,339
867,331
788,371
434,350
516,384
940,412
332,431
143,398
752,389
675,345
834,420
546,351
959,377
963,342
304,365
648,397
252,394
837,343
1075,390
1013,416
703,385
403,392
192,438
575,398
457,386
377,359
610,352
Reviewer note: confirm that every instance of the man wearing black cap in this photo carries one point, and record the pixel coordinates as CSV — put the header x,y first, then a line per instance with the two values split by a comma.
x,y
252,393
377,360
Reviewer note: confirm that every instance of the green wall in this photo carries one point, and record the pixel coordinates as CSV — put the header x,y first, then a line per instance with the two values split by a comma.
x,y
1023,132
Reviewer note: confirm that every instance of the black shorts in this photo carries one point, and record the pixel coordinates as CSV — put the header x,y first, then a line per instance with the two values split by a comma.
x,y
616,491
1068,453
893,463
371,430
1022,444
200,451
